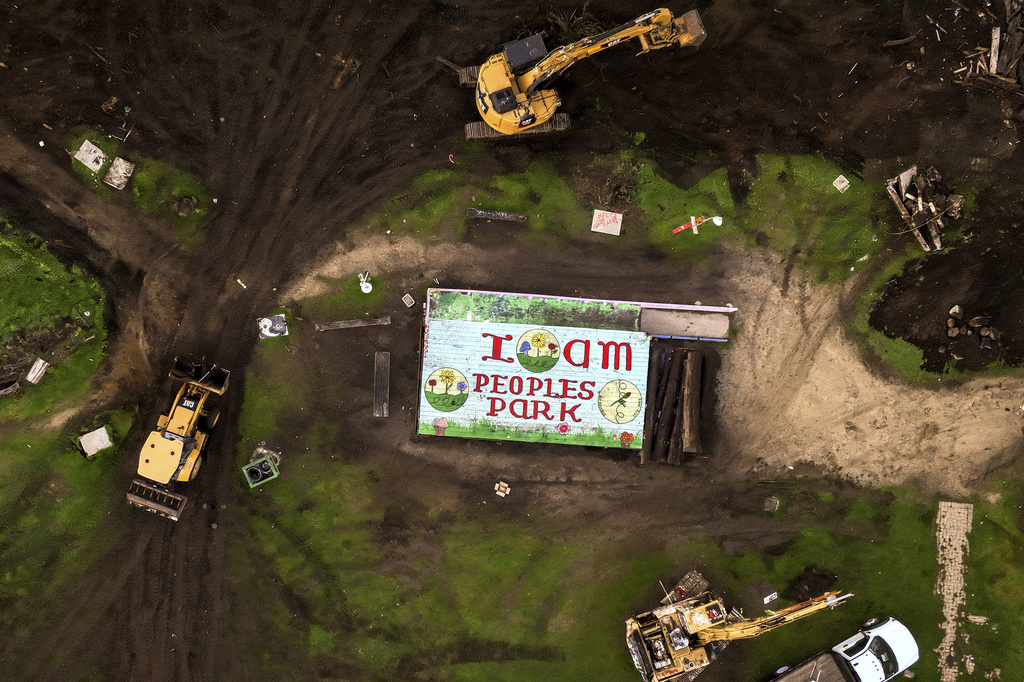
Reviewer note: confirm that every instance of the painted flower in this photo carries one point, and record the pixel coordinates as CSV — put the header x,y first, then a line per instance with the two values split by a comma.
x,y
447,378
461,386
552,347
537,340
441,422
432,383
563,428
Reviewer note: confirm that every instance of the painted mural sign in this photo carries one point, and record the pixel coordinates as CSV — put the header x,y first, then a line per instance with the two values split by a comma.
x,y
523,379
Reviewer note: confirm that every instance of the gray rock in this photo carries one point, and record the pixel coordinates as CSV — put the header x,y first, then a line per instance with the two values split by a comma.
x,y
952,331
950,322
979,321
956,312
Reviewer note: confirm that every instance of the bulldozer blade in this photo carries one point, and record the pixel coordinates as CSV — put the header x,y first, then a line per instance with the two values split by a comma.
x,y
155,500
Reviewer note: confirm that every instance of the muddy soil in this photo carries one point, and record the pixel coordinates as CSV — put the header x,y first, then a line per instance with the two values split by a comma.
x,y
302,117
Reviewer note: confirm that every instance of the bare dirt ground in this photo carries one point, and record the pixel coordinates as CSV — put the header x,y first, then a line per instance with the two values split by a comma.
x,y
302,117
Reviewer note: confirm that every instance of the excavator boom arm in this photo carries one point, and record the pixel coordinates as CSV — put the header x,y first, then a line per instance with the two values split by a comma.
x,y
745,629
657,29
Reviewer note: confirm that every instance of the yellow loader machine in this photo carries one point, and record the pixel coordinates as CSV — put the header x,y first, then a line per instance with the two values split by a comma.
x,y
681,638
174,451
512,87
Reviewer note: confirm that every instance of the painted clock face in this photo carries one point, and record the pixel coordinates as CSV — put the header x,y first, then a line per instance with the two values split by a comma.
x,y
619,401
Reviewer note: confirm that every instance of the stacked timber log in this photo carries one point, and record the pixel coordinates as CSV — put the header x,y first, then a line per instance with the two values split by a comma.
x,y
673,421
924,203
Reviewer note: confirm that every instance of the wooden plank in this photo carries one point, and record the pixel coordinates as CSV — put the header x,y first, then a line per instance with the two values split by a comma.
x,y
349,324
692,402
381,383
668,403
654,370
675,439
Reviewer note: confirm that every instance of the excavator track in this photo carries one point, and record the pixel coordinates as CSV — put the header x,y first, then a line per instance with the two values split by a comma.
x,y
478,130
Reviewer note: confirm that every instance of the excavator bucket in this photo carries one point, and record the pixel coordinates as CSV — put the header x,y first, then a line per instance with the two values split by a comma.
x,y
691,29
155,500
210,377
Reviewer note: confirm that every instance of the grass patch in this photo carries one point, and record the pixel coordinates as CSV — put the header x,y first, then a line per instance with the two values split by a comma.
x,y
894,575
39,289
995,583
155,187
437,202
344,300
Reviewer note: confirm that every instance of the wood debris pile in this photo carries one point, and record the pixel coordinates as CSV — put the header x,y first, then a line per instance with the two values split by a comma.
x,y
979,327
673,422
1000,67
924,202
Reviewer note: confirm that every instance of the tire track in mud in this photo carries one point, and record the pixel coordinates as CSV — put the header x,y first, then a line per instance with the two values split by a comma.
x,y
276,147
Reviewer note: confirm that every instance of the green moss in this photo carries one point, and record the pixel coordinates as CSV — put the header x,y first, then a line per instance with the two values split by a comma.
x,y
157,187
995,583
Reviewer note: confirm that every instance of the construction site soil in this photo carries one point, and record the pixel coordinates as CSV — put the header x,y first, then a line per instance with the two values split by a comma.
x,y
301,117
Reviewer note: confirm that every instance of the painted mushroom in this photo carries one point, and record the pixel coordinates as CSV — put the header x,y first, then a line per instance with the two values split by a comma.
x,y
626,439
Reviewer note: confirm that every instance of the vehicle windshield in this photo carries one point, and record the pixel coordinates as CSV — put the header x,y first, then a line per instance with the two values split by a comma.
x,y
884,654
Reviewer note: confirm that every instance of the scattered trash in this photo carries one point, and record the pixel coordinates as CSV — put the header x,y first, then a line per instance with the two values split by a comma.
x,y
409,301
495,215
771,597
263,465
364,283
272,326
695,221
119,173
94,441
841,183
348,324
606,222
241,283
36,373
923,201
41,143
108,106
91,156
502,489
771,504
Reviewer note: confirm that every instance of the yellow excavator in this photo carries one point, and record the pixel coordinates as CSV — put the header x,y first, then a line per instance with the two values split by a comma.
x,y
679,639
174,451
510,86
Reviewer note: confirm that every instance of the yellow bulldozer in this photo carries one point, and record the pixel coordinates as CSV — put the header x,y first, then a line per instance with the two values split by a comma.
x,y
174,451
678,640
512,87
